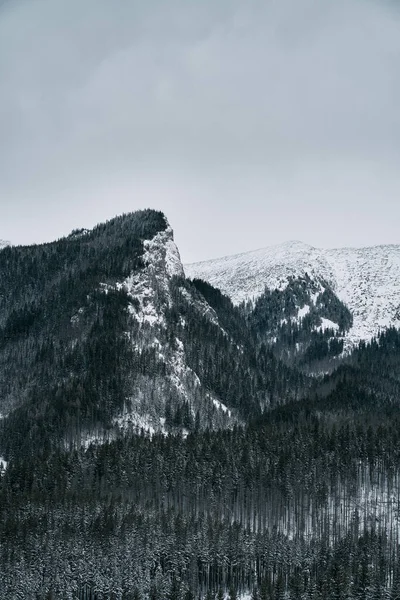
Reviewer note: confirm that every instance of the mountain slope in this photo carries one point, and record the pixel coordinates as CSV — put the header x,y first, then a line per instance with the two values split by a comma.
x,y
92,341
102,335
366,280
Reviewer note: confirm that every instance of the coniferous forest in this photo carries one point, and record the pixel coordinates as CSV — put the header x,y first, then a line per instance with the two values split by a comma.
x,y
160,443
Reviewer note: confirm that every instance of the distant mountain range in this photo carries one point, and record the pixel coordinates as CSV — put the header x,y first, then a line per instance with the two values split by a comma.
x,y
366,280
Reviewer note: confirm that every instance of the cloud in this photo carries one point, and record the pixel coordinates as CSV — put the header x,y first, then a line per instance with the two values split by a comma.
x,y
101,95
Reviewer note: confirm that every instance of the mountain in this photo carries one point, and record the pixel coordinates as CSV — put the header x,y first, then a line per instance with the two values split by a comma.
x,y
365,280
92,338
159,441
102,335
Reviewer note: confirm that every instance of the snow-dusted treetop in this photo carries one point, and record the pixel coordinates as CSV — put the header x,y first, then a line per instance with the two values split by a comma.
x,y
367,280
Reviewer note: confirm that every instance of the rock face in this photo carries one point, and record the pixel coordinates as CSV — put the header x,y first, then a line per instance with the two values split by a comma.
x,y
366,280
153,292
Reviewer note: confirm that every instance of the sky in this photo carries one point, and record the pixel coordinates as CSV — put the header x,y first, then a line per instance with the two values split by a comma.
x,y
248,123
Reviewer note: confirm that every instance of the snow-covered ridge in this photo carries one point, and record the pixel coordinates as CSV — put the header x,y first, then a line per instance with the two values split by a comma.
x,y
367,280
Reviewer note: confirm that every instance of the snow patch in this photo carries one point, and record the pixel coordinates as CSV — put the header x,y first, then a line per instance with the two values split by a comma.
x,y
222,407
327,324
162,251
3,465
303,311
134,421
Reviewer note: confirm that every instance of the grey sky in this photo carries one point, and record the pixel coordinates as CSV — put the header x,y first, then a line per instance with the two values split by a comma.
x,y
247,123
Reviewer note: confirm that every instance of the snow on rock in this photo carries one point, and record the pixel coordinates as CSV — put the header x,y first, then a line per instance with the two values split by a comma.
x,y
180,372
149,290
3,465
162,261
366,280
162,252
150,287
222,407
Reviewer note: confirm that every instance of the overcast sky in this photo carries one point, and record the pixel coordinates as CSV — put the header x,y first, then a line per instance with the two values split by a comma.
x,y
248,123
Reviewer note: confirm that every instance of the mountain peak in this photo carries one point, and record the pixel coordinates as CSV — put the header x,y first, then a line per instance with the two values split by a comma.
x,y
293,245
162,256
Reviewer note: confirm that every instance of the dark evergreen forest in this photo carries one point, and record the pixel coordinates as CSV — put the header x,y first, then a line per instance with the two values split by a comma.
x,y
295,496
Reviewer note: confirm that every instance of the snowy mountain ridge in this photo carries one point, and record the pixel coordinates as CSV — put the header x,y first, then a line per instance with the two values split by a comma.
x,y
366,280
